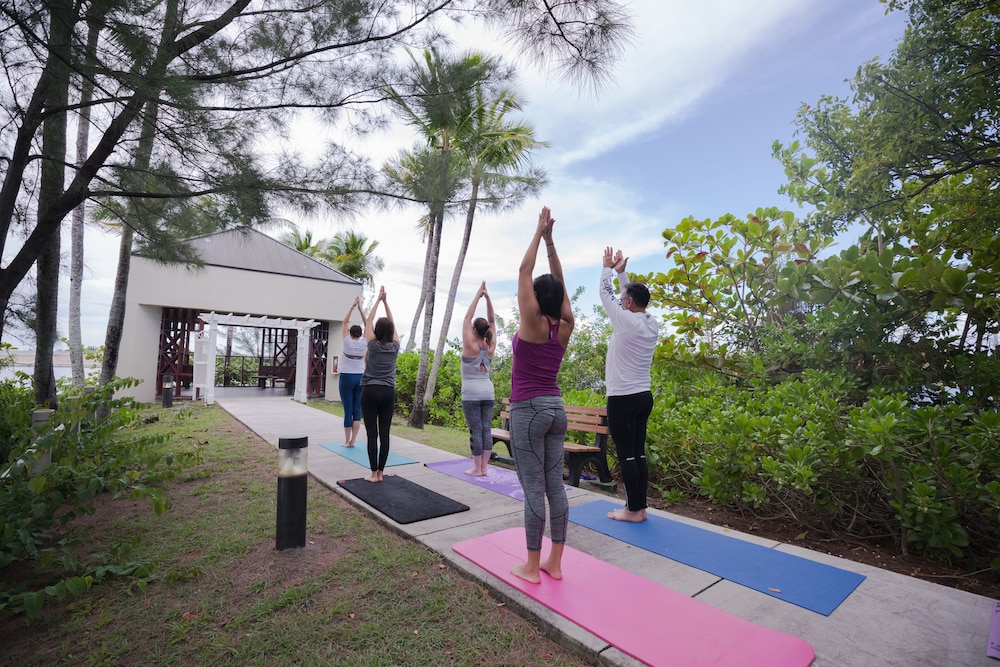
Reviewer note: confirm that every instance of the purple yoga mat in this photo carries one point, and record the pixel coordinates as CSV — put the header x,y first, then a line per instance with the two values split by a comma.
x,y
497,479
993,650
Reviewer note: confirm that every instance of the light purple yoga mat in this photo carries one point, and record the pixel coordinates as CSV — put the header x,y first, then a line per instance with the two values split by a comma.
x,y
993,650
497,479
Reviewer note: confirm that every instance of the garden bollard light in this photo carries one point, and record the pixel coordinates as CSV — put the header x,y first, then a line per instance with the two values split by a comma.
x,y
292,477
168,390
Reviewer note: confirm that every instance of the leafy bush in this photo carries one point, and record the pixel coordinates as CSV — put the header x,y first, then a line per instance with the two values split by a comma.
x,y
16,404
445,408
928,476
90,445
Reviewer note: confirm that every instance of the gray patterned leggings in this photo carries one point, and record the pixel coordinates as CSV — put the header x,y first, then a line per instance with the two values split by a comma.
x,y
479,417
537,434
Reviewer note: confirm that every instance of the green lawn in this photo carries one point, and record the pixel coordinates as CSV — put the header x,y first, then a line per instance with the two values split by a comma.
x,y
454,440
219,594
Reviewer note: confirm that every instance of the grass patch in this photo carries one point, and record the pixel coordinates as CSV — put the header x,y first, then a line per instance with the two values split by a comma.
x,y
219,593
454,440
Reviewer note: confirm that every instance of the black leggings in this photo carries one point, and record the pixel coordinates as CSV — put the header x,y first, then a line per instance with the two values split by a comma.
x,y
627,417
377,404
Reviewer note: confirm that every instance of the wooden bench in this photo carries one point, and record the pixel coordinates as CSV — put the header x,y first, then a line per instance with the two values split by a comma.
x,y
274,374
581,419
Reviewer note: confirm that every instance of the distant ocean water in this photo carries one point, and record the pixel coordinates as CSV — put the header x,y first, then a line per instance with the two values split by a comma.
x,y
25,363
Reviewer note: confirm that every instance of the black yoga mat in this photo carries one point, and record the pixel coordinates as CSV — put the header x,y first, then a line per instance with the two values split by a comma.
x,y
402,500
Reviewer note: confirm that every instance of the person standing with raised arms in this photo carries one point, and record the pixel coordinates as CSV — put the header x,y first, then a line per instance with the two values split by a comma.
x,y
378,385
537,418
479,343
351,369
626,378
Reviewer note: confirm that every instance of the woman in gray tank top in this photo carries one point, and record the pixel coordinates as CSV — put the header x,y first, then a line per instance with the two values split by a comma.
x,y
479,342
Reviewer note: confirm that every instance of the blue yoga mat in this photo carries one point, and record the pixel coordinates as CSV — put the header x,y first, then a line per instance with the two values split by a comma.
x,y
359,454
800,581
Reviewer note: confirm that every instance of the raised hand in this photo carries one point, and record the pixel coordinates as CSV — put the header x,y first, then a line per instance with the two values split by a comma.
x,y
620,262
545,222
609,257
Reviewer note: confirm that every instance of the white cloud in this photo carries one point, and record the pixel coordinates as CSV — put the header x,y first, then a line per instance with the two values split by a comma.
x,y
683,52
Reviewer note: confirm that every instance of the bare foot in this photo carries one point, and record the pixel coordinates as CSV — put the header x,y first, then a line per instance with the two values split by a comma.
x,y
554,570
521,570
374,477
626,514
348,444
475,473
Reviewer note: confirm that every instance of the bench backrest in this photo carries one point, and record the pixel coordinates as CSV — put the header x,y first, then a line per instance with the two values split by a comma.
x,y
284,372
580,418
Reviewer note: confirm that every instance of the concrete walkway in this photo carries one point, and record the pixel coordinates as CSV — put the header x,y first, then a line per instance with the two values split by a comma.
x,y
890,619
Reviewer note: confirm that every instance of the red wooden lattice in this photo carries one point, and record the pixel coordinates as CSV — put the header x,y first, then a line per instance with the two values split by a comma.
x,y
319,345
175,355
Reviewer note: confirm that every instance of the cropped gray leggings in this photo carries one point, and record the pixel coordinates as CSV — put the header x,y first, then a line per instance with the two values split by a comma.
x,y
537,434
479,416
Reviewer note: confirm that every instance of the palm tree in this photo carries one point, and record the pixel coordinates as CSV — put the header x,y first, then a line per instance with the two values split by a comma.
x,y
433,178
353,254
496,151
302,242
435,100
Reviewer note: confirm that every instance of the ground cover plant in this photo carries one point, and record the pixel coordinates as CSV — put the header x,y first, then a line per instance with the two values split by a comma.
x,y
212,589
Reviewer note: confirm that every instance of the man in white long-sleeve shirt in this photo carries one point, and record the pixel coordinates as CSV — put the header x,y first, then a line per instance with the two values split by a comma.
x,y
630,400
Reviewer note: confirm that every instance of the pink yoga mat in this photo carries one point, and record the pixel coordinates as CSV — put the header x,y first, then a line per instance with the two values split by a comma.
x,y
651,623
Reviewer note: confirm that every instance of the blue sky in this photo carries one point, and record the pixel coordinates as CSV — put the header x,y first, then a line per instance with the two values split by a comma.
x,y
685,129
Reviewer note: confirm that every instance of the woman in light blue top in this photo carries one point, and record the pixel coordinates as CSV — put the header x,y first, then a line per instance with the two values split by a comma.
x,y
479,343
351,369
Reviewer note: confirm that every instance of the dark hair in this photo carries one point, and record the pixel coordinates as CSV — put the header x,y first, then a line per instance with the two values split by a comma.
x,y
550,293
356,331
639,293
482,328
384,330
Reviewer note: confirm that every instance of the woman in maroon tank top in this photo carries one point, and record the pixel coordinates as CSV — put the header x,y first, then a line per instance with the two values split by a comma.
x,y
537,417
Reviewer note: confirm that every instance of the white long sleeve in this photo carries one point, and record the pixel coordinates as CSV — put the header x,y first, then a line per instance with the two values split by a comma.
x,y
633,340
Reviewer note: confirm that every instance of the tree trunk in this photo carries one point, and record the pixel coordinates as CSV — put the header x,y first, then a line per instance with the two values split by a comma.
x,y
449,307
48,222
411,341
76,252
116,315
46,311
418,415
53,179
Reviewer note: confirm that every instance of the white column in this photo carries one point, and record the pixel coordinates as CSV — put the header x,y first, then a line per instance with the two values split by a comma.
x,y
200,382
213,334
302,366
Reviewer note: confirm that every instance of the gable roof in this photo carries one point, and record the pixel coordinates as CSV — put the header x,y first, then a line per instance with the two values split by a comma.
x,y
251,250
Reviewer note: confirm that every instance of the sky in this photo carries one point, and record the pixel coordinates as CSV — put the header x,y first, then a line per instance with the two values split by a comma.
x,y
685,128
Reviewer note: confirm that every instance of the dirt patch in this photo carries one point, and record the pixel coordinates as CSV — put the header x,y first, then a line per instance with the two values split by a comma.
x,y
288,567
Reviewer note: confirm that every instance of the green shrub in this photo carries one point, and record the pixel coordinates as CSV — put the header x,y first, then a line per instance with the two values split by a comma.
x,y
445,408
95,445
799,450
